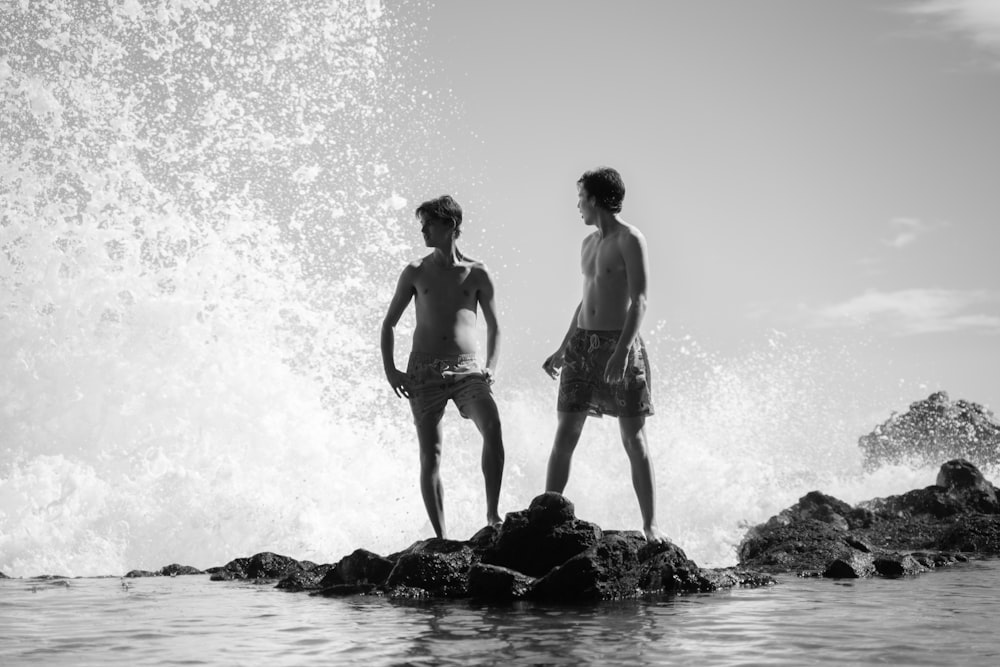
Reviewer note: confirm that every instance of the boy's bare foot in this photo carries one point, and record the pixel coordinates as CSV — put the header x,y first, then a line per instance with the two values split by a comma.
x,y
654,535
494,521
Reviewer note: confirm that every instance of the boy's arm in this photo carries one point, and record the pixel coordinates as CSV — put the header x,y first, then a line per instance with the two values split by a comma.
x,y
555,360
637,274
400,300
487,301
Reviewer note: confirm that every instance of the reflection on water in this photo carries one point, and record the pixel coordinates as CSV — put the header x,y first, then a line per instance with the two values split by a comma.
x,y
944,617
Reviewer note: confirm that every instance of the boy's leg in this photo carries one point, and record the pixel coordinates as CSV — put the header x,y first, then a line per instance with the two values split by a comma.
x,y
633,434
484,415
429,437
567,436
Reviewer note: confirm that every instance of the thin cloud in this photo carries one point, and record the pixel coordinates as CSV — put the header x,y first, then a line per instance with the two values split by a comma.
x,y
977,19
917,311
907,230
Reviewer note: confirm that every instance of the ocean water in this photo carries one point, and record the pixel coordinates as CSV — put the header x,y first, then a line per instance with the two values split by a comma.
x,y
940,618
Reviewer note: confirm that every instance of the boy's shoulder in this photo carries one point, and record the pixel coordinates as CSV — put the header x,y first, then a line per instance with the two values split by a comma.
x,y
418,263
412,268
478,268
631,231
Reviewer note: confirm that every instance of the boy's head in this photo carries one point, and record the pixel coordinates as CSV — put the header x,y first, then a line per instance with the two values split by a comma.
x,y
606,186
444,209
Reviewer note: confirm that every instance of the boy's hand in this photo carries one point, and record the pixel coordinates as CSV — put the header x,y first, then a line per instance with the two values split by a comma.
x,y
553,364
614,371
399,382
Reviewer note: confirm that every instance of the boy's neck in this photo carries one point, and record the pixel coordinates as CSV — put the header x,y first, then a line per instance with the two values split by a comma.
x,y
607,222
446,255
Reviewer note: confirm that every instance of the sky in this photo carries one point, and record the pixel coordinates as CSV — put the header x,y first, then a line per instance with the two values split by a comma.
x,y
814,171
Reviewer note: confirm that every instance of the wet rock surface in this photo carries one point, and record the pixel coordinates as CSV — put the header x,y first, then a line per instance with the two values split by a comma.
x,y
541,553
171,570
262,566
955,519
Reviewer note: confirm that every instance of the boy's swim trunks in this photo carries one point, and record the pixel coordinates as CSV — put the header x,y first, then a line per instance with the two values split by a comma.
x,y
434,380
582,387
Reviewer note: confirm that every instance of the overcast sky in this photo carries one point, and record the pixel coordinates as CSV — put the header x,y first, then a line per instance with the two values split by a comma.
x,y
826,170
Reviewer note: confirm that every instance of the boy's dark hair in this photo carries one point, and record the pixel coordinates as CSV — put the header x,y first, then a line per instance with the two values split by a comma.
x,y
442,208
606,185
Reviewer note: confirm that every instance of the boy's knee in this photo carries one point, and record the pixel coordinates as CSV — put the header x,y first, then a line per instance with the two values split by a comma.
x,y
635,446
430,458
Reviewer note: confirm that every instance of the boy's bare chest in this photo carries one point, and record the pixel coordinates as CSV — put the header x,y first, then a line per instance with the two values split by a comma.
x,y
445,286
602,260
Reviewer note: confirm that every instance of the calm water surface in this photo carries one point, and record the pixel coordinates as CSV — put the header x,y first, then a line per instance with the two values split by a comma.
x,y
945,617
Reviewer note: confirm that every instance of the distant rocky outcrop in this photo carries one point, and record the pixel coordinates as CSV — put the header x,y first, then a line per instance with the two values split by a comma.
x,y
3,576
934,430
171,570
264,566
956,518
541,553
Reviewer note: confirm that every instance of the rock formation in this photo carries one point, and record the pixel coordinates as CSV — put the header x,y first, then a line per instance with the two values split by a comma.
x,y
171,570
934,430
541,553
957,517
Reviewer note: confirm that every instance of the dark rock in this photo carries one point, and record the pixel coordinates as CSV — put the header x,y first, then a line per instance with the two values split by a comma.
x,y
606,571
234,569
174,570
551,509
305,580
623,565
363,567
932,502
485,538
964,482
732,577
262,566
577,561
854,566
815,506
979,534
933,430
546,535
803,545
3,576
960,513
959,474
858,544
438,566
495,583
267,565
897,565
666,568
136,574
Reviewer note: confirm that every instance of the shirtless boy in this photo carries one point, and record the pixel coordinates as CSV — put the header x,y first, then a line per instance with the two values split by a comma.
x,y
447,288
605,370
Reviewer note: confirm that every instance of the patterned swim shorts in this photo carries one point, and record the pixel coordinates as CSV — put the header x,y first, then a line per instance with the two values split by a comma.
x,y
435,380
582,387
